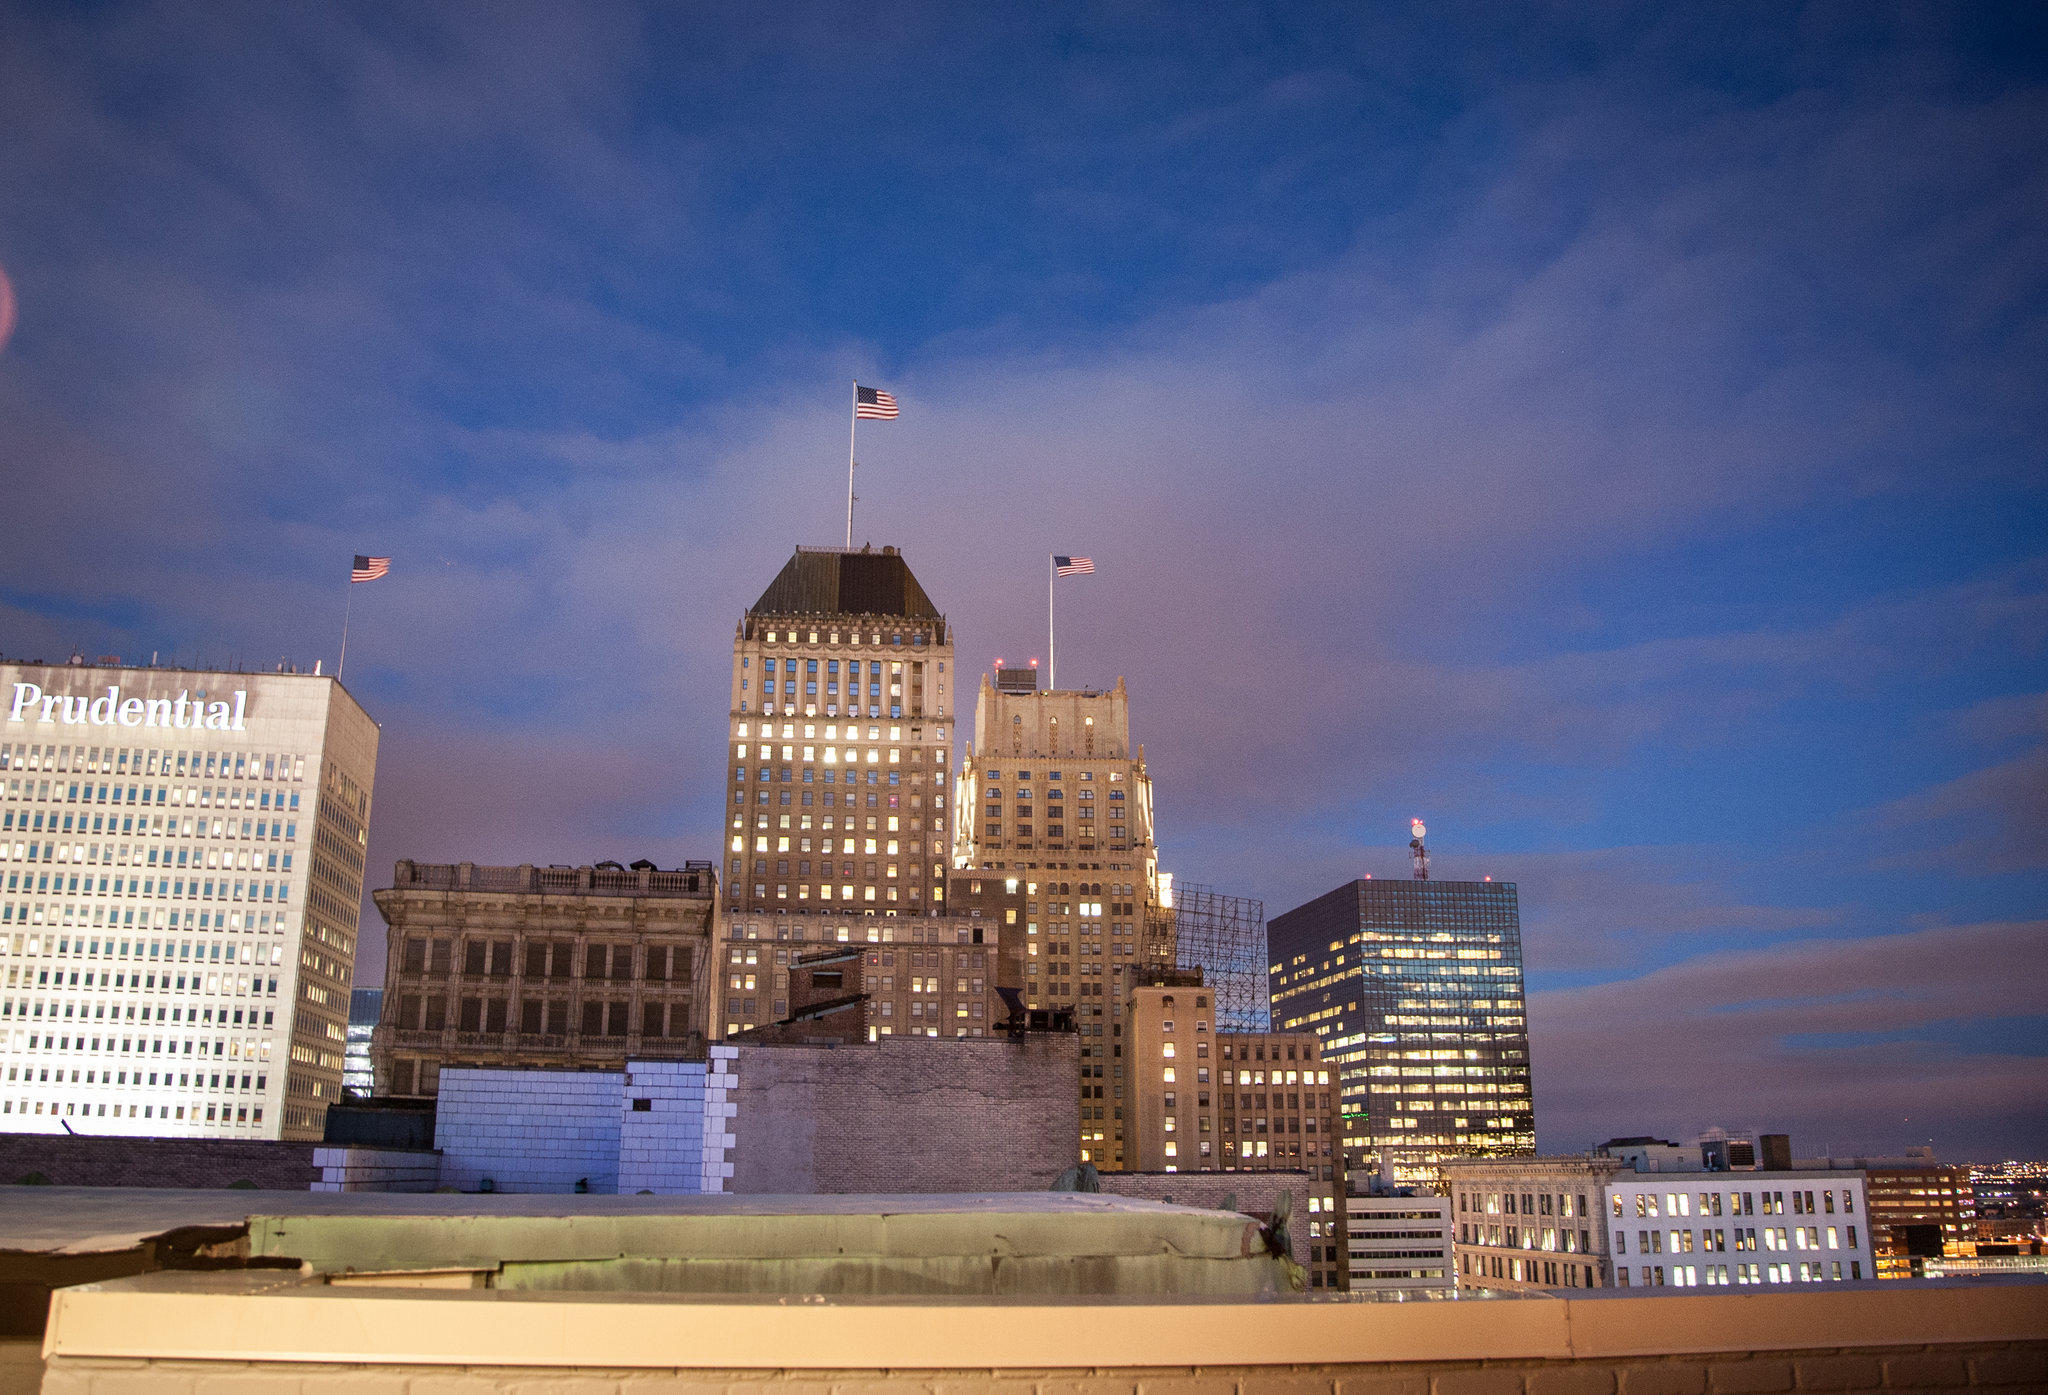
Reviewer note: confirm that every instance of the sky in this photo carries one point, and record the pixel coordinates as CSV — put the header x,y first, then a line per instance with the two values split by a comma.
x,y
1614,434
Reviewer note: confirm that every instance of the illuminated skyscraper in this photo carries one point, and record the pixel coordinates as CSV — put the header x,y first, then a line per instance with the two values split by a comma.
x,y
1415,988
181,872
838,769
1054,793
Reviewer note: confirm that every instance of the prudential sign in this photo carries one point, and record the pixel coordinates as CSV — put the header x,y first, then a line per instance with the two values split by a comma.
x,y
110,709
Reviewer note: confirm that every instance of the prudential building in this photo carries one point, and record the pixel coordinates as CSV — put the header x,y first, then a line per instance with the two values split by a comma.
x,y
181,871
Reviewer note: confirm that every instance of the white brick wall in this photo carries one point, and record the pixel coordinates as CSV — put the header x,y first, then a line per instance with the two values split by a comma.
x,y
529,1130
720,1109
660,1144
357,1169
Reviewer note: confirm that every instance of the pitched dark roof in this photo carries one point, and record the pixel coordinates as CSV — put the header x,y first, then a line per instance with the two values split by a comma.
x,y
846,583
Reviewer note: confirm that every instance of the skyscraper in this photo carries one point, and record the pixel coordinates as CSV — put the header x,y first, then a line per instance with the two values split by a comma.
x,y
1053,792
839,768
1415,988
181,871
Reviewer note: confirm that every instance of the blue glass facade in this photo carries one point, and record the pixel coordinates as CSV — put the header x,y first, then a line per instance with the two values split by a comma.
x,y
1415,988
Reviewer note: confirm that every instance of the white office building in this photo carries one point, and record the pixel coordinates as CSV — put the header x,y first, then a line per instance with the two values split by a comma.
x,y
1399,1243
181,871
1692,1229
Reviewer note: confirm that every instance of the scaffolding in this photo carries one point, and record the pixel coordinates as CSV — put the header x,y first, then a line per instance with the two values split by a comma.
x,y
1225,937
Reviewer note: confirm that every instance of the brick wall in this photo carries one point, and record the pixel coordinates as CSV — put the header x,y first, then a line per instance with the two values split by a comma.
x,y
906,1114
103,1161
529,1130
2012,1367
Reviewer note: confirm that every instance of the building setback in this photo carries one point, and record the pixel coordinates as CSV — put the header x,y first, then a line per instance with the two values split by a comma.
x,y
1415,988
539,967
181,871
1054,792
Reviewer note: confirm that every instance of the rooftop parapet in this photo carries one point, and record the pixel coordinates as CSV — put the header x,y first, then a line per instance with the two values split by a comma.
x,y
603,879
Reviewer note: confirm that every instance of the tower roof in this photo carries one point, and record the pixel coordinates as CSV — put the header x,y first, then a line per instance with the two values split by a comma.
x,y
833,581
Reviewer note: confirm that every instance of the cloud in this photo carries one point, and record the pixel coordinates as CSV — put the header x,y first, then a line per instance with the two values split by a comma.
x,y
1568,447
1991,820
1726,1039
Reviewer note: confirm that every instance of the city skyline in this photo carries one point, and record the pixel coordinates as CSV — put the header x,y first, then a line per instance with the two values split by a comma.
x,y
1625,459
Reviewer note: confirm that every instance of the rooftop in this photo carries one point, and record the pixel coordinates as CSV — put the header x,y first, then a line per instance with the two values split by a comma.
x,y
836,581
643,878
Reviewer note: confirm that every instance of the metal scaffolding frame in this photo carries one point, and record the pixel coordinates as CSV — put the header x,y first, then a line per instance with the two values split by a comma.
x,y
1225,937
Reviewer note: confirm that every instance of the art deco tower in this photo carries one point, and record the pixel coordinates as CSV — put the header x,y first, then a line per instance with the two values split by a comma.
x,y
839,764
1054,793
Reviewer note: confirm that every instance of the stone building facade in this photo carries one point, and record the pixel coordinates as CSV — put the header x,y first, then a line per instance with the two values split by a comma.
x,y
1055,794
537,967
1207,1101
838,769
1528,1224
936,976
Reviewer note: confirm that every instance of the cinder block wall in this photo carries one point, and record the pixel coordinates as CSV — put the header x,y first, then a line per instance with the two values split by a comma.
x,y
906,1114
661,1128
529,1130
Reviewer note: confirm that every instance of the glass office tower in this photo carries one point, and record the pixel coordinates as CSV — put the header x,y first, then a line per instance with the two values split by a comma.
x,y
1415,988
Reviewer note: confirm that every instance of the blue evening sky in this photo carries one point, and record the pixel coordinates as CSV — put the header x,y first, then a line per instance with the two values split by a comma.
x,y
1612,433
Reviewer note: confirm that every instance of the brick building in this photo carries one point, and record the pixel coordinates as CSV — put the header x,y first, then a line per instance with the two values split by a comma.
x,y
1206,1101
1919,1209
540,967
935,976
904,1114
1919,1213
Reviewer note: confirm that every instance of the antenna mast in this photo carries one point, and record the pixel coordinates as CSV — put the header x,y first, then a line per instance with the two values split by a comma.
x,y
1421,853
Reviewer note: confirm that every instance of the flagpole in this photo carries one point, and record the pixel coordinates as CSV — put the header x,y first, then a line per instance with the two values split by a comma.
x,y
852,431
1052,653
347,606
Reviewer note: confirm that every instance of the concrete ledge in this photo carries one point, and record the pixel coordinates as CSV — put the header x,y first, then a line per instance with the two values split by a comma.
x,y
255,1317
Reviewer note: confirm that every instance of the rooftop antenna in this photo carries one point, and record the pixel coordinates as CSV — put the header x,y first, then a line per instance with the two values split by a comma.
x,y
1421,853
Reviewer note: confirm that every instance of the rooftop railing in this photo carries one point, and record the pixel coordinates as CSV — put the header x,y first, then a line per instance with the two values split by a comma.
x,y
691,879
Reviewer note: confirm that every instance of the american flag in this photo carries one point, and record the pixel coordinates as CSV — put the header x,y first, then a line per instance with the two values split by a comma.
x,y
872,404
1073,566
369,568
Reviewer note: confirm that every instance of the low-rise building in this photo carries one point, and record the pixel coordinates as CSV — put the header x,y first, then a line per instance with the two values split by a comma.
x,y
1763,1227
540,967
1644,1220
1919,1210
1532,1223
1399,1240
